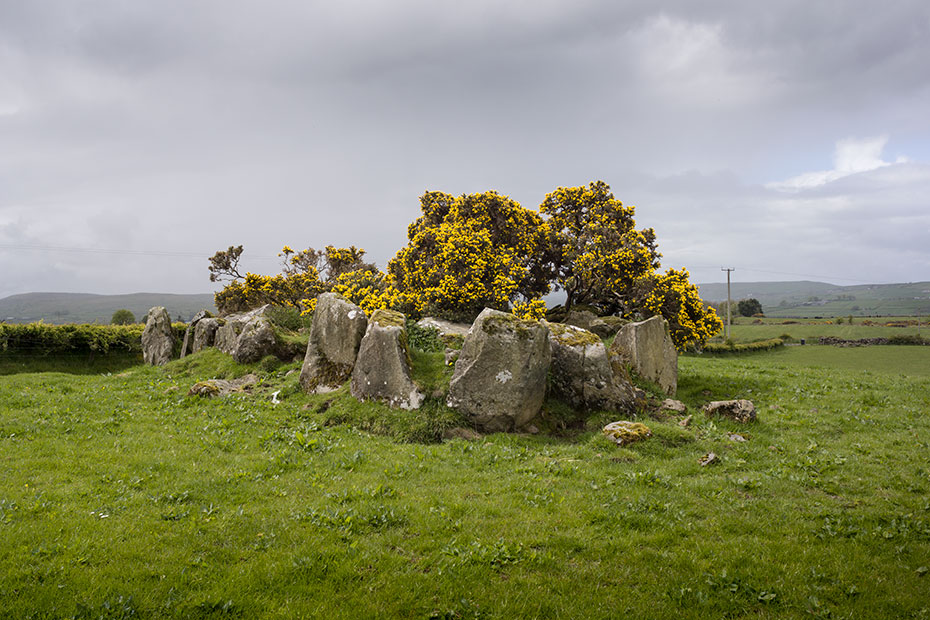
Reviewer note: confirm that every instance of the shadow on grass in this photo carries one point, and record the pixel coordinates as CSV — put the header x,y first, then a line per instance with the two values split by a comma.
x,y
76,363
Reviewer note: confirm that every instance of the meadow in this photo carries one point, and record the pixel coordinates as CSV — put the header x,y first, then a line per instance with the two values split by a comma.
x,y
122,497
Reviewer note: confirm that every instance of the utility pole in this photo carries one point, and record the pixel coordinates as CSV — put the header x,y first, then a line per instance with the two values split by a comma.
x,y
728,270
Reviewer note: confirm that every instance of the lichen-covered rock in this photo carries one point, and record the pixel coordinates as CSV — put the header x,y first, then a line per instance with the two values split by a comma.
x,y
204,334
157,337
255,341
335,336
382,368
741,410
499,381
648,348
581,374
186,345
623,432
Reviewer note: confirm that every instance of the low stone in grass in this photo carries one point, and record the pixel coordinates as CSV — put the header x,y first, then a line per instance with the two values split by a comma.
x,y
741,410
222,387
157,337
670,404
623,432
382,368
581,374
499,381
335,336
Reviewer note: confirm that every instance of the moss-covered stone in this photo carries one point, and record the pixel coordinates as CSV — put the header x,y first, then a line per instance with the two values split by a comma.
x,y
503,321
389,318
572,336
207,389
624,432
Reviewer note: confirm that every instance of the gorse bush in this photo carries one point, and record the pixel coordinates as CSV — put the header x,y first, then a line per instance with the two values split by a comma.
x,y
475,251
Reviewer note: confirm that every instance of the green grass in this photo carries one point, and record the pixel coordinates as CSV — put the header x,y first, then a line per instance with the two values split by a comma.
x,y
122,497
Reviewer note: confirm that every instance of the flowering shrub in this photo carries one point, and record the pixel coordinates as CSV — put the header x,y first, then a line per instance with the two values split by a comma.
x,y
691,322
534,309
600,259
466,253
298,284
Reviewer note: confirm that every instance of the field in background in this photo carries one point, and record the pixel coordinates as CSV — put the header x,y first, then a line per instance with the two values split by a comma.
x,y
748,329
813,299
121,497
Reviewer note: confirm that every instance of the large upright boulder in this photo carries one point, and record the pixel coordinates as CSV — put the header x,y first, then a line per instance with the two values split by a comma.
x,y
335,336
581,373
247,336
382,368
204,334
648,349
499,381
157,337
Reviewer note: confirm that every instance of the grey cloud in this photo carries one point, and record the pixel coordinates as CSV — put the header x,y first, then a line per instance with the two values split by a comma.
x,y
309,123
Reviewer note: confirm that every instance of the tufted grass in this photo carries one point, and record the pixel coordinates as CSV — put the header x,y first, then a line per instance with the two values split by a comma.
x,y
122,497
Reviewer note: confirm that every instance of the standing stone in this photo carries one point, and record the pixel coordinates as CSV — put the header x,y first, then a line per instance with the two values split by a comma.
x,y
382,368
499,381
255,341
648,348
248,336
157,337
335,336
581,374
204,334
189,332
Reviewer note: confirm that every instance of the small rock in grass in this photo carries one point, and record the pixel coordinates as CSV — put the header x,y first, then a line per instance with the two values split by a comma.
x,y
686,421
670,404
460,433
222,387
736,437
708,459
623,432
737,410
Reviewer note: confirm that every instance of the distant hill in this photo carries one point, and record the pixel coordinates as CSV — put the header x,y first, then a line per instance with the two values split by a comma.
x,y
89,308
808,299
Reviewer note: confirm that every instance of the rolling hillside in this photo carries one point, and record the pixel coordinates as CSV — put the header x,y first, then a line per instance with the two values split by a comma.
x,y
810,299
89,308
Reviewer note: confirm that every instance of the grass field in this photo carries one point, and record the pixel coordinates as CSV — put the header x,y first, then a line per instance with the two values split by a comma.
x,y
121,497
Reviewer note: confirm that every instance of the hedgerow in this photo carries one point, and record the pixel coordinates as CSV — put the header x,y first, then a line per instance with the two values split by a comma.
x,y
748,347
43,339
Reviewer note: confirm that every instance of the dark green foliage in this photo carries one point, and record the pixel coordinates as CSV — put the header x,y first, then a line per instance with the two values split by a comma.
x,y
122,317
288,318
45,339
749,307
424,338
910,339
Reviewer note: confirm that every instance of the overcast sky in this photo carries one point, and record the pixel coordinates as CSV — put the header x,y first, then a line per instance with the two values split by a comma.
x,y
789,140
